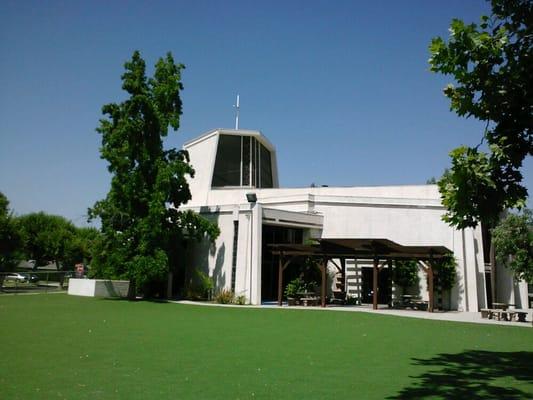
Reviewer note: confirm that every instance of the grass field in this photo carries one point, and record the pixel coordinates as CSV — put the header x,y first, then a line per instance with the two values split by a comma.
x,y
57,346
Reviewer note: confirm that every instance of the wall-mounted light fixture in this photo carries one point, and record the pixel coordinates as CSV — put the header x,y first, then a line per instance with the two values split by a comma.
x,y
251,197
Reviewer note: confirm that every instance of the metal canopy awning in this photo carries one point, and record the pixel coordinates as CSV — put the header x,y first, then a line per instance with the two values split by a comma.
x,y
366,248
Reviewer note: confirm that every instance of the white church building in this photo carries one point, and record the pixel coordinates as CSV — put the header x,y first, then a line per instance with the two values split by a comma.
x,y
236,185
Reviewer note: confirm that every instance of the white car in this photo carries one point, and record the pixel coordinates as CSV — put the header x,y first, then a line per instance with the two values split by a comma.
x,y
15,277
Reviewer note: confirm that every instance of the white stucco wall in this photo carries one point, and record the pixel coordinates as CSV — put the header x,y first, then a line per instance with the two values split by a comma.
x,y
406,214
98,287
81,287
409,219
202,156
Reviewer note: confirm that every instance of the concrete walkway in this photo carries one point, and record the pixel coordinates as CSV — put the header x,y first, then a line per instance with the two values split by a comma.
x,y
457,316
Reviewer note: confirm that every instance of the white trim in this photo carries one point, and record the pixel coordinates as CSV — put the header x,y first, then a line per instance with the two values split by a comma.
x,y
241,132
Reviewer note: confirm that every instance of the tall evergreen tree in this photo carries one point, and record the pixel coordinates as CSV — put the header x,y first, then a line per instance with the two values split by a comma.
x,y
142,225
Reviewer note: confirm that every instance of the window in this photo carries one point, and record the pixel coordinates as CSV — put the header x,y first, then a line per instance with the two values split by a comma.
x,y
246,160
242,161
265,168
228,162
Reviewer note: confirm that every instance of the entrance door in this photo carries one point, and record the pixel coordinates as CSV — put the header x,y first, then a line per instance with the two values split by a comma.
x,y
384,285
269,266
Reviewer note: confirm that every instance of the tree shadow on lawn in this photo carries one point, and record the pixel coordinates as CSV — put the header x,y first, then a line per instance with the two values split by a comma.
x,y
473,374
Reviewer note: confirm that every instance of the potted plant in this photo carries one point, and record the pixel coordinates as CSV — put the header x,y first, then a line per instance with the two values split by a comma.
x,y
293,290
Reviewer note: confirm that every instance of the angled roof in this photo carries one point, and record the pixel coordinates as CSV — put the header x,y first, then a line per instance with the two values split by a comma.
x,y
241,132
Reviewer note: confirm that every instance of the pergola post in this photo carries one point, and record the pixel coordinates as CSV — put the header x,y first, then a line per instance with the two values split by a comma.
x,y
431,294
375,285
280,279
392,291
282,266
343,274
324,282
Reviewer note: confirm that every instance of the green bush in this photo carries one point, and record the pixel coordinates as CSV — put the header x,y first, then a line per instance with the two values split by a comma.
x,y
445,274
240,300
405,273
297,286
225,296
294,287
200,287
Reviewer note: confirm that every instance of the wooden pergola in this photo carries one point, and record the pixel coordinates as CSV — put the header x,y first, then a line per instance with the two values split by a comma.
x,y
379,250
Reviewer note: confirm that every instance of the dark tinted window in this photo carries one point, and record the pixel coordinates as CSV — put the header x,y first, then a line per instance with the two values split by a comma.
x,y
228,162
266,168
254,162
245,160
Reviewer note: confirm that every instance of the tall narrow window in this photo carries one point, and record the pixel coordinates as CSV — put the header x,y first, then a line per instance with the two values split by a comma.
x,y
254,162
228,162
266,168
234,255
242,161
246,161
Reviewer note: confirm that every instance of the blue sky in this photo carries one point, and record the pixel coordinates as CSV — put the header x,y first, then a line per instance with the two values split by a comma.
x,y
341,88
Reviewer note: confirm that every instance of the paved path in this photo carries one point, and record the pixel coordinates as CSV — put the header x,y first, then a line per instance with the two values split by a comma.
x,y
458,316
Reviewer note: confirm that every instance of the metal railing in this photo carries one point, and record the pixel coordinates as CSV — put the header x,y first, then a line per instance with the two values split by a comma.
x,y
34,281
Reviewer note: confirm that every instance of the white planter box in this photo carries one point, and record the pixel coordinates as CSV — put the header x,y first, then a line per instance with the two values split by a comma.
x,y
98,287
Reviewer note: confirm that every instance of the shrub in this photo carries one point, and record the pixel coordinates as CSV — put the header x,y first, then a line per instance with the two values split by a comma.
x,y
405,273
240,300
446,274
294,287
225,296
200,287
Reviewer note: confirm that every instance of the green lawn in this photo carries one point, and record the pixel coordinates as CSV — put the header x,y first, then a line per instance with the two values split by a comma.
x,y
57,346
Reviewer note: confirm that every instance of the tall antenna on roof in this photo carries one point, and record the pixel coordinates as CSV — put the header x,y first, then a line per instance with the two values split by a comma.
x,y
237,114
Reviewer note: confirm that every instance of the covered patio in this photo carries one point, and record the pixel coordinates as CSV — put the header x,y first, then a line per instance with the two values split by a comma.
x,y
382,251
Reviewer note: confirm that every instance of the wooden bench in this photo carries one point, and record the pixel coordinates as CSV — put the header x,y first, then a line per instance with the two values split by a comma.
x,y
495,313
421,305
309,301
507,315
521,315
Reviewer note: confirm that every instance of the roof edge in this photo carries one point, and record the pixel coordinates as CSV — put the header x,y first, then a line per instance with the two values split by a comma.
x,y
224,131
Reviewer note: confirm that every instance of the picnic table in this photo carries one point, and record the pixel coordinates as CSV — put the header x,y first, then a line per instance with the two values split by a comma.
x,y
414,302
502,306
504,314
308,298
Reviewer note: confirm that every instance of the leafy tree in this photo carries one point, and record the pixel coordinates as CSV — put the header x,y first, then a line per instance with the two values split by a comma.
x,y
405,273
81,247
142,226
491,64
9,237
45,237
513,241
445,272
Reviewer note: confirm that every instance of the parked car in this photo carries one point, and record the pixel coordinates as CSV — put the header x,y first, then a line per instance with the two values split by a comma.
x,y
32,278
15,277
